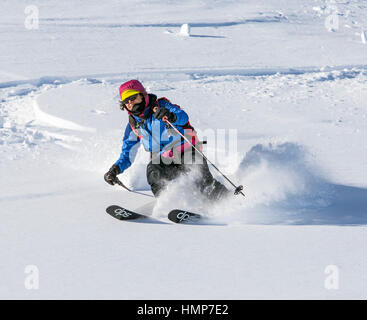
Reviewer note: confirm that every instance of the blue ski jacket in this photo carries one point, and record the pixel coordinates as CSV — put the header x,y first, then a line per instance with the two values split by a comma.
x,y
151,132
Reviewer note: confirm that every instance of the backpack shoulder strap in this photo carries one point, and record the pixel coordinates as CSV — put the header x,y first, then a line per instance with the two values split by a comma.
x,y
134,125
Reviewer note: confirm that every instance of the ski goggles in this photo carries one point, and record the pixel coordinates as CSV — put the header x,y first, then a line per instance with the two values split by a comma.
x,y
125,101
131,98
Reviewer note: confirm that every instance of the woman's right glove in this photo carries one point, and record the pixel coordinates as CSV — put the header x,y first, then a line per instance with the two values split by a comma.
x,y
164,114
111,176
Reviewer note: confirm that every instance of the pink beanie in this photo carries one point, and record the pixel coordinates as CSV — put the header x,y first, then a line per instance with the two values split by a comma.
x,y
135,85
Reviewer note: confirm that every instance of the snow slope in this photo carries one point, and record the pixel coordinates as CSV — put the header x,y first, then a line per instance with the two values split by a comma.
x,y
269,74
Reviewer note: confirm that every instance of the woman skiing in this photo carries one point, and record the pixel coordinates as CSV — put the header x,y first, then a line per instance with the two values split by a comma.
x,y
170,154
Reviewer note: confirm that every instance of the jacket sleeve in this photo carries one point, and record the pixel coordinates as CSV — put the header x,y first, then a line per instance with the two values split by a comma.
x,y
130,140
181,116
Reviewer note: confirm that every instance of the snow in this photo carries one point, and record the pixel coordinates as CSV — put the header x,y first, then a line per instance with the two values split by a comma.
x,y
265,74
185,30
363,37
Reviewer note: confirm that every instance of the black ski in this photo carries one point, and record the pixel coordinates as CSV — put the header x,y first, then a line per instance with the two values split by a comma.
x,y
124,214
181,216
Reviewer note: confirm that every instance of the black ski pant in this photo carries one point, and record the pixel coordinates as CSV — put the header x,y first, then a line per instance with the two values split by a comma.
x,y
159,173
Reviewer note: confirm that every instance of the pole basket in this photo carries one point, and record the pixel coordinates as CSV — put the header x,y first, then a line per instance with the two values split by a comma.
x,y
238,190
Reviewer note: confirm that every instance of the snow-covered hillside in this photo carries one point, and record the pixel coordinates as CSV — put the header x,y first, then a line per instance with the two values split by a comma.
x,y
285,80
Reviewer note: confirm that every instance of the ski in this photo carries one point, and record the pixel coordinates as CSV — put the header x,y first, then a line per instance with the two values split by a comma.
x,y
124,214
181,216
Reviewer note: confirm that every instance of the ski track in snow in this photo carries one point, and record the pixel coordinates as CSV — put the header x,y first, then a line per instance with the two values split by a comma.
x,y
66,23
152,74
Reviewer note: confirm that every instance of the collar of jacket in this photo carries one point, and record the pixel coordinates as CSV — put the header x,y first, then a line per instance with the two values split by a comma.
x,y
148,111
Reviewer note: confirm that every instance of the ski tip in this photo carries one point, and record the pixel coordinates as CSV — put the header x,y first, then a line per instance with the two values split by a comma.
x,y
181,216
123,214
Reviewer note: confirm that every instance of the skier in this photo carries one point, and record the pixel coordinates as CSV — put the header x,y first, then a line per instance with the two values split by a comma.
x,y
170,154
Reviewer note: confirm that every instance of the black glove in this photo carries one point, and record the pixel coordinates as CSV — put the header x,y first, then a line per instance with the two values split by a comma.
x,y
161,112
110,176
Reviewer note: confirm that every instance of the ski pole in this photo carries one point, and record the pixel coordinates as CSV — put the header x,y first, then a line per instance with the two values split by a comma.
x,y
122,185
238,189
